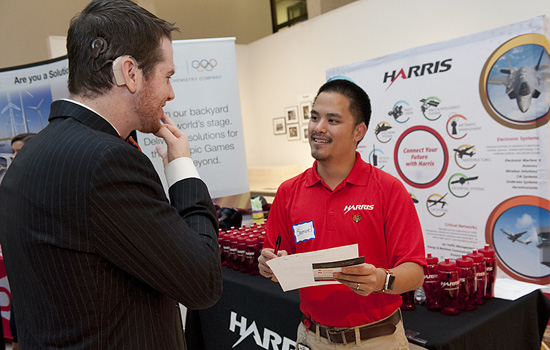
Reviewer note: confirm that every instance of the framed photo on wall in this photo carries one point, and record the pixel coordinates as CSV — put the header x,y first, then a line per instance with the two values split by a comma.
x,y
279,126
293,132
305,110
291,115
305,134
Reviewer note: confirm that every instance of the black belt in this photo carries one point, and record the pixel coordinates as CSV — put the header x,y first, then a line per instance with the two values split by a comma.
x,y
347,335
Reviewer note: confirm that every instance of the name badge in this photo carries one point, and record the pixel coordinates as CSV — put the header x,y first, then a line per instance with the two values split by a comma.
x,y
304,231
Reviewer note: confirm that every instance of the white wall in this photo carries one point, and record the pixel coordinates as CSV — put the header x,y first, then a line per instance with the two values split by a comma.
x,y
276,70
26,24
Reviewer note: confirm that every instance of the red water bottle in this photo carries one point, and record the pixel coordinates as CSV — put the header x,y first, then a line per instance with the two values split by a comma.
x,y
252,254
408,301
481,277
221,238
226,245
467,276
449,282
431,283
490,270
232,262
241,249
261,239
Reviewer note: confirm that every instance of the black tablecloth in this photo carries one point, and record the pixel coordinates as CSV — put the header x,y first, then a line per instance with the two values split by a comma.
x,y
260,310
498,324
255,313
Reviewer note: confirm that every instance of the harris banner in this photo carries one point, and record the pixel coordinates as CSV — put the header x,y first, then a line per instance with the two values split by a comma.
x,y
464,125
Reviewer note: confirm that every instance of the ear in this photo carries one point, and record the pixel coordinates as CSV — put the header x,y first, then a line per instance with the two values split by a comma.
x,y
360,131
125,72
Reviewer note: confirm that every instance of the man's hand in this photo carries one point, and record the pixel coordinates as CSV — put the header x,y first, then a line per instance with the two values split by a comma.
x,y
268,254
176,142
362,279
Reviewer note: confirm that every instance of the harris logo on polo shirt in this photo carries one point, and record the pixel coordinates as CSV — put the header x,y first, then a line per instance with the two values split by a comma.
x,y
357,207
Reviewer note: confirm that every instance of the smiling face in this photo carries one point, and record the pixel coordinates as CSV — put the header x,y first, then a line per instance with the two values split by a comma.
x,y
333,131
155,91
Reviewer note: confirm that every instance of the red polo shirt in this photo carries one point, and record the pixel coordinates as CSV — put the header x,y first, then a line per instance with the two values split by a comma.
x,y
371,208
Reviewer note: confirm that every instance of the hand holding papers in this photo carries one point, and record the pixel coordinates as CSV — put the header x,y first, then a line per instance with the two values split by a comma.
x,y
325,271
296,271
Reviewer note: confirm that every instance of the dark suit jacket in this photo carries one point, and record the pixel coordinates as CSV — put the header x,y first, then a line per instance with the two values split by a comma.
x,y
95,254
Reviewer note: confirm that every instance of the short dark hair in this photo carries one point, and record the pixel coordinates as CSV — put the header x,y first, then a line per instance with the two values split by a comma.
x,y
359,102
23,137
115,28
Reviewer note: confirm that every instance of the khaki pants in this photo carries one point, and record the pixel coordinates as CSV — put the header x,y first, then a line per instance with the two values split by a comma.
x,y
395,341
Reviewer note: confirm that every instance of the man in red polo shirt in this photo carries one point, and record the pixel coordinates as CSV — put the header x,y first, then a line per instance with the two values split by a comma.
x,y
343,200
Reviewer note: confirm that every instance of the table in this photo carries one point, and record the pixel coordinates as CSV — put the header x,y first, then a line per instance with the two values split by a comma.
x,y
254,313
498,324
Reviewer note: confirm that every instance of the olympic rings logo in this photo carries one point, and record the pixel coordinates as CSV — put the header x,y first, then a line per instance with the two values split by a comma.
x,y
204,65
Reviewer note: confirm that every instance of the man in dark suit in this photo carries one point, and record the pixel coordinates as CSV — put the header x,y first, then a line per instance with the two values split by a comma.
x,y
97,256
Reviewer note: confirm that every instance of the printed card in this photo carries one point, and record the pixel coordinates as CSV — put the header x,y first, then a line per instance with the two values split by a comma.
x,y
323,271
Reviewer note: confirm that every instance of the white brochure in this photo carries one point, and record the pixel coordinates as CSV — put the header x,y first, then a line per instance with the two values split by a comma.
x,y
296,270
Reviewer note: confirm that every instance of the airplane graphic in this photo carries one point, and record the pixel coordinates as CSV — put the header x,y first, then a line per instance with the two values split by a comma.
x,y
515,237
437,201
523,83
464,151
463,180
382,127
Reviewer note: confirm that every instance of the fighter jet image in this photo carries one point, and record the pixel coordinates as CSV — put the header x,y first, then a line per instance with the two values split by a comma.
x,y
396,112
464,152
382,127
463,180
515,237
523,83
437,201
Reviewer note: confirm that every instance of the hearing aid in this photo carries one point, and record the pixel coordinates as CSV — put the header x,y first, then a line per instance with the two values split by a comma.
x,y
117,69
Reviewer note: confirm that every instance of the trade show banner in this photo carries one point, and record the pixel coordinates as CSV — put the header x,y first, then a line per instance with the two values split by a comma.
x,y
26,93
207,108
464,125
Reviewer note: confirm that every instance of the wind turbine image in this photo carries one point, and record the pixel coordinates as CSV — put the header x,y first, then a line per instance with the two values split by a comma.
x,y
37,108
25,121
10,106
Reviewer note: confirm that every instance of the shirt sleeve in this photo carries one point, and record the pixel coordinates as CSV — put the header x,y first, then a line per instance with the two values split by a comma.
x,y
180,169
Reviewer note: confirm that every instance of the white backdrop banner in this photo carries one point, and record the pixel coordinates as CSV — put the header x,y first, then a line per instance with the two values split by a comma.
x,y
464,125
26,93
207,108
